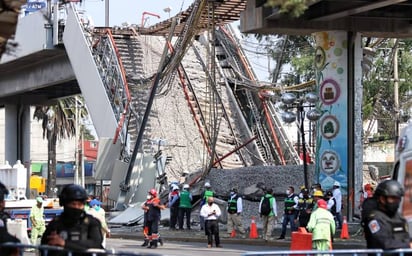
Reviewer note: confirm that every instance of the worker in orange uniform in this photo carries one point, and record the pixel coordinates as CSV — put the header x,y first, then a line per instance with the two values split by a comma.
x,y
153,218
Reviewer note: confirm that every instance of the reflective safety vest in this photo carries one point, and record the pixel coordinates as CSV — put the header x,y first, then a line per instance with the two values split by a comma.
x,y
232,205
207,194
289,203
185,201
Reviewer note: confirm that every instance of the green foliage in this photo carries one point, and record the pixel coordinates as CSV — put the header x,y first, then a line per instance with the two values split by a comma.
x,y
293,8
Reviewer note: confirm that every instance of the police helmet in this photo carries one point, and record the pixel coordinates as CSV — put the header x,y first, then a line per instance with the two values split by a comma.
x,y
329,193
72,192
389,188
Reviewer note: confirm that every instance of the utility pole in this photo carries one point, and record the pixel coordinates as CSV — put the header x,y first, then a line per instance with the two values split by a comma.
x,y
396,89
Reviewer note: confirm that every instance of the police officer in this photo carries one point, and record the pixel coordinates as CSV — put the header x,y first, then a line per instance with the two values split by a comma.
x,y
384,227
305,207
74,230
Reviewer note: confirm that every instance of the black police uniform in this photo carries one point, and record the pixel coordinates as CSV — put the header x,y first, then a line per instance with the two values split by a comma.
x,y
384,232
79,235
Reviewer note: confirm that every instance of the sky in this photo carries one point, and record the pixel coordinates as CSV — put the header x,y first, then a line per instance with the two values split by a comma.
x,y
131,11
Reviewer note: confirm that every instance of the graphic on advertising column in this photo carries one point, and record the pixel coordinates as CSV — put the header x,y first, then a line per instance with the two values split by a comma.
x,y
330,162
329,126
329,91
332,130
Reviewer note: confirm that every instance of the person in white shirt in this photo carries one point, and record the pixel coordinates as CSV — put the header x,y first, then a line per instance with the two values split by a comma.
x,y
211,213
99,213
337,194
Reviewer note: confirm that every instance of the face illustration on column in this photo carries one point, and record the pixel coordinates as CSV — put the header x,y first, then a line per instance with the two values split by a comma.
x,y
330,162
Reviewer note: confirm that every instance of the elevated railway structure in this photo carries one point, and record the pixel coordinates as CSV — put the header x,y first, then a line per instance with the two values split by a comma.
x,y
216,122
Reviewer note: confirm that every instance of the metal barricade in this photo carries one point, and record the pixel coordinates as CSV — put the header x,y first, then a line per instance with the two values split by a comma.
x,y
17,249
341,252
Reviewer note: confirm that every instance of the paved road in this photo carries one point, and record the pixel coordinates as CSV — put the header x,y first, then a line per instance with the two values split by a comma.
x,y
185,248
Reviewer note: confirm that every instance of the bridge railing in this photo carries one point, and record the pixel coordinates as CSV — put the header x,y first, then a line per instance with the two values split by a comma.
x,y
340,252
17,249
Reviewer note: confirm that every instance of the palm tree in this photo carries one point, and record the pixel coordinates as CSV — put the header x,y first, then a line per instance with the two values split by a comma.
x,y
58,122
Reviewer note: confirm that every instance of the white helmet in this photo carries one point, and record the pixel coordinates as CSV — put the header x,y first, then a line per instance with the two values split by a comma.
x,y
186,186
207,185
336,184
175,187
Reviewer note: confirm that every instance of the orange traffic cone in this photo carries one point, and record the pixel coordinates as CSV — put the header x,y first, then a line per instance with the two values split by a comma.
x,y
233,234
253,229
345,233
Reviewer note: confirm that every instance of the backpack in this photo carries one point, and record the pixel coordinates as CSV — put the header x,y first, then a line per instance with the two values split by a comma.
x,y
265,208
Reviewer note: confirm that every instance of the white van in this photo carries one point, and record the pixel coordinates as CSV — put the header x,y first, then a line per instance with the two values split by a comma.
x,y
402,171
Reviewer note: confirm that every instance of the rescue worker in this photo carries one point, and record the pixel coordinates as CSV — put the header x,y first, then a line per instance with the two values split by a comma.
x,y
269,218
38,224
205,195
305,207
234,210
5,237
173,205
185,207
317,195
322,226
384,227
337,194
145,208
367,192
211,212
74,230
99,213
153,218
290,214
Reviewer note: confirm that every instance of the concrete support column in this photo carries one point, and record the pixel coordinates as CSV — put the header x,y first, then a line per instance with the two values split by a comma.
x,y
339,153
17,136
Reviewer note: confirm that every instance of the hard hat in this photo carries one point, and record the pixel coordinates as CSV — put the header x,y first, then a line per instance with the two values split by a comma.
x,y
336,184
368,186
95,202
322,204
175,187
71,193
39,199
302,187
318,193
207,185
186,186
389,188
329,193
153,192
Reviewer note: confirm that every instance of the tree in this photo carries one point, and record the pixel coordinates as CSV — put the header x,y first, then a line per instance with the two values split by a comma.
x,y
58,122
378,93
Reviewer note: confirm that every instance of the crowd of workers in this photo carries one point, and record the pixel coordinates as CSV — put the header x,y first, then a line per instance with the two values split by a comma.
x,y
82,224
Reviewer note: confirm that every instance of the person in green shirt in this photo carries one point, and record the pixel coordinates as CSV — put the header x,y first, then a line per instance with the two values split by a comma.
x,y
185,207
38,224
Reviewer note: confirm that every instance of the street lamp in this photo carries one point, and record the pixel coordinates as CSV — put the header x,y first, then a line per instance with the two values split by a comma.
x,y
290,101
